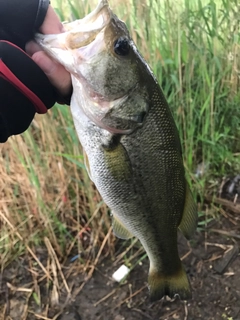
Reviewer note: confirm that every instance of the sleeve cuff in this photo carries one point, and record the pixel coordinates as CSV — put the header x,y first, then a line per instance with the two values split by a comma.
x,y
41,13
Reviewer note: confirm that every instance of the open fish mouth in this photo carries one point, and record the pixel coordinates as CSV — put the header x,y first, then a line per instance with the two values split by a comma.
x,y
79,35
86,50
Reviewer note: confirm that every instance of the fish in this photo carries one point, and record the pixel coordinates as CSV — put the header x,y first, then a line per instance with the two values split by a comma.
x,y
131,145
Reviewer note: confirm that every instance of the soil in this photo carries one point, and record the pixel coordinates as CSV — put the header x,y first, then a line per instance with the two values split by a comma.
x,y
211,260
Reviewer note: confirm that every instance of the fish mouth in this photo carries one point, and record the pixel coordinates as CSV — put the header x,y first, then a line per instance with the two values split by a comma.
x,y
78,35
82,40
81,43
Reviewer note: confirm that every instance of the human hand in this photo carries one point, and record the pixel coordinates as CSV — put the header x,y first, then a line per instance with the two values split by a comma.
x,y
55,72
24,87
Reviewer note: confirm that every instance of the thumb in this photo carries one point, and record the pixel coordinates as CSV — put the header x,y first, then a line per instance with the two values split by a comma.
x,y
56,73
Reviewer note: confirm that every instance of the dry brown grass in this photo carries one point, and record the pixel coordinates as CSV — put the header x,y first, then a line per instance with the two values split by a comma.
x,y
49,213
45,195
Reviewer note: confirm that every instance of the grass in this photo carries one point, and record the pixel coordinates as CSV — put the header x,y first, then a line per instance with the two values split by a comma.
x,y
193,49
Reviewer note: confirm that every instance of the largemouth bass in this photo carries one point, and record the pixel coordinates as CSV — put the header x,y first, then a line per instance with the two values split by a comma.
x,y
131,144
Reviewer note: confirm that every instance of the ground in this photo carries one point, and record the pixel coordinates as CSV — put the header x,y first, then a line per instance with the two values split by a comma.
x,y
211,260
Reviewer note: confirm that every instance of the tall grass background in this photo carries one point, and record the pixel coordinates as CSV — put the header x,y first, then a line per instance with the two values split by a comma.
x,y
45,194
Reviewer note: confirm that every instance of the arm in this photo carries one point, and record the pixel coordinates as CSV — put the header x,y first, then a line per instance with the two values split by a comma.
x,y
24,88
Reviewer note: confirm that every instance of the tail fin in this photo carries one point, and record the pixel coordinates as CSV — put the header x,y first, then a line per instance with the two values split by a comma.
x,y
176,284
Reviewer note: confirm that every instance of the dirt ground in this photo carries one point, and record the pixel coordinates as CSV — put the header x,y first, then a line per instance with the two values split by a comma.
x,y
211,260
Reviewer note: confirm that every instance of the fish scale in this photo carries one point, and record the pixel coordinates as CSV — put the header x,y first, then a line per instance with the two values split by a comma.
x,y
131,145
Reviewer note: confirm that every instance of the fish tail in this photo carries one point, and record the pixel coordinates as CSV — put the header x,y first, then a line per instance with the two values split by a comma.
x,y
170,285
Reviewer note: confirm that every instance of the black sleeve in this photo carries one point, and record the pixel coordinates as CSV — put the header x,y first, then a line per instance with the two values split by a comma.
x,y
13,120
20,19
24,90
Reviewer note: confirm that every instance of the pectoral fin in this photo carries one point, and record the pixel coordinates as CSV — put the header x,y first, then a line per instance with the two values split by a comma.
x,y
188,223
119,229
118,163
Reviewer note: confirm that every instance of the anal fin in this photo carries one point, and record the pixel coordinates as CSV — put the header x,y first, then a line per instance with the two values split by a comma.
x,y
189,220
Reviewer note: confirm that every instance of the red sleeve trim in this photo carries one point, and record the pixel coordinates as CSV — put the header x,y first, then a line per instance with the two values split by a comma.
x,y
7,74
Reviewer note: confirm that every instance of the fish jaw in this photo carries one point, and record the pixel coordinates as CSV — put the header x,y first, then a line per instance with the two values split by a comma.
x,y
54,46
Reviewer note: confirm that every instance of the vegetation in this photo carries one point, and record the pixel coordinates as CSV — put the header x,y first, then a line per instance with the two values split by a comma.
x,y
47,199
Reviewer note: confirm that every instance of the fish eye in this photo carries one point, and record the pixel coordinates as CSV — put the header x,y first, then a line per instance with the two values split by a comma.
x,y
122,47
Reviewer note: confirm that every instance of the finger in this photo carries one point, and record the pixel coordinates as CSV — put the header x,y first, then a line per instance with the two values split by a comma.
x,y
51,23
56,73
32,47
